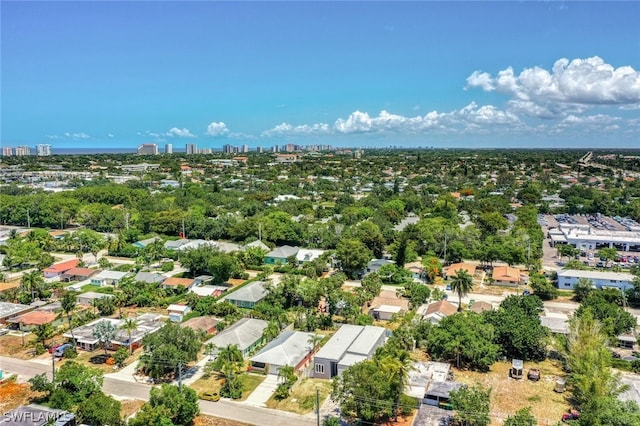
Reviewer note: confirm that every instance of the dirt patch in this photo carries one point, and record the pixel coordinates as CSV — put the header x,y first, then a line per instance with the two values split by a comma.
x,y
401,421
302,399
12,346
13,395
509,395
130,406
203,420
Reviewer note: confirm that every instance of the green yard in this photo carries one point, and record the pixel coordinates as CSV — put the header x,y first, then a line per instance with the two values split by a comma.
x,y
302,399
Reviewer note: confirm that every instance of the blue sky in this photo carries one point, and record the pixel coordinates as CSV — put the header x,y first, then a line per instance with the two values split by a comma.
x,y
443,74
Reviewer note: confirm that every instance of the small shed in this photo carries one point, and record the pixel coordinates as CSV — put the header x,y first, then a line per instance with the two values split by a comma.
x,y
517,369
626,341
560,385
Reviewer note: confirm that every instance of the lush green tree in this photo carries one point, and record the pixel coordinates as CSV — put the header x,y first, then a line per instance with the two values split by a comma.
x,y
461,284
466,339
432,268
606,307
68,302
169,348
416,293
471,405
583,287
105,305
100,410
74,383
608,253
609,411
33,282
353,256
43,332
589,361
105,332
120,356
129,325
168,405
542,287
522,417
517,326
271,331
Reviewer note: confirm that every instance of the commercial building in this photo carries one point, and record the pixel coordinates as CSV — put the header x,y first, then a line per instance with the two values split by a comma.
x,y
148,149
191,148
585,237
351,344
568,279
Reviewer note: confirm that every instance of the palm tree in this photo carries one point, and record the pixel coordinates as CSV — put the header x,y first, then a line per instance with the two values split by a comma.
x,y
271,331
462,284
286,373
68,303
32,281
314,340
230,354
129,325
43,332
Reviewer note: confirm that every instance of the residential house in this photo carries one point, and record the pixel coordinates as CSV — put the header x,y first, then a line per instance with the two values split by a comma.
x,y
9,310
145,324
480,306
506,275
246,333
436,311
258,244
108,278
78,274
226,247
429,382
209,290
149,277
206,324
175,244
32,319
177,312
349,345
279,255
144,243
202,280
452,269
249,295
58,269
417,271
292,348
174,282
568,278
89,297
194,244
374,265
387,304
308,255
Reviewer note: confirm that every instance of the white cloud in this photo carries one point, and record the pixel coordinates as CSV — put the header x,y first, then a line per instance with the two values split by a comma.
x,y
181,133
80,135
570,86
286,129
110,135
217,129
52,136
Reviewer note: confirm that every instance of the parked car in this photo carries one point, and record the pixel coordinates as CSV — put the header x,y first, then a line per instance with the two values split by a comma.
x,y
59,352
526,293
52,348
209,396
571,415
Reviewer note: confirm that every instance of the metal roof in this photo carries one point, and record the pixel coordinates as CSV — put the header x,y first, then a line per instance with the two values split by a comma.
x,y
596,275
289,348
243,333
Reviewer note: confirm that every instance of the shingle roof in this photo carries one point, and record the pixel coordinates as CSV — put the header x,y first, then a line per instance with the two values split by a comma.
x,y
455,267
243,333
149,277
35,318
253,292
81,272
283,252
289,348
443,307
178,282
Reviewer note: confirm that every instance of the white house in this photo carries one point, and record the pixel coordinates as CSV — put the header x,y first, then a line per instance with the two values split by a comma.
x,y
177,312
568,279
108,278
291,348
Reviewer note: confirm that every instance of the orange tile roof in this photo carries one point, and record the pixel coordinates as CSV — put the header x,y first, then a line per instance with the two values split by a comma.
x,y
62,266
8,286
82,272
178,282
454,267
506,273
390,298
37,318
444,307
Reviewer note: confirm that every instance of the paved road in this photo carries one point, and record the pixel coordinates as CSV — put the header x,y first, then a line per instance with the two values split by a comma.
x,y
128,390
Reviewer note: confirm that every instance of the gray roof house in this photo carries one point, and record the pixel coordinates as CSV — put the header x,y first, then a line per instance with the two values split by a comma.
x,y
246,333
89,297
108,278
149,277
289,348
175,244
280,255
257,243
249,295
351,344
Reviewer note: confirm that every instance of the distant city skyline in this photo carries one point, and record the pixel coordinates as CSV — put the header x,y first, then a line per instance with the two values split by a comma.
x,y
348,74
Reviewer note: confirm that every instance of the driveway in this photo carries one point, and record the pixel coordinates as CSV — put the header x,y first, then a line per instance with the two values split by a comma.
x,y
263,392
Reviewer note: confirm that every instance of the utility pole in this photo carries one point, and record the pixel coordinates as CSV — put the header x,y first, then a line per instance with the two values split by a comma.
x,y
260,231
180,374
184,232
445,249
28,219
318,405
53,366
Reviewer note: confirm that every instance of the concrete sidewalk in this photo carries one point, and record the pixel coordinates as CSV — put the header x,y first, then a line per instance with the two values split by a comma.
x,y
263,392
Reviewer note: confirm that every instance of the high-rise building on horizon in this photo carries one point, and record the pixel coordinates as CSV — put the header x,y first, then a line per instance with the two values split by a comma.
x,y
43,150
7,151
22,151
168,148
148,149
245,148
191,148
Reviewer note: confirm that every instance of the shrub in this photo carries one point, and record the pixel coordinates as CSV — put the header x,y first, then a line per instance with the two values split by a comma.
x,y
282,392
407,405
167,266
39,349
70,353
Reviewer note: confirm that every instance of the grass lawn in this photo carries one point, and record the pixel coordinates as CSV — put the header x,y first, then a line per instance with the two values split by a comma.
x,y
249,383
302,399
509,395
97,289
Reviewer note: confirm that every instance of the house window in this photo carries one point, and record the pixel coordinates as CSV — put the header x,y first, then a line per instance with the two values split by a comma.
x,y
320,368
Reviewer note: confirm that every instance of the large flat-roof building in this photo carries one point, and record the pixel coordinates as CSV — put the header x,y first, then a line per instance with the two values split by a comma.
x,y
350,345
585,237
568,279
